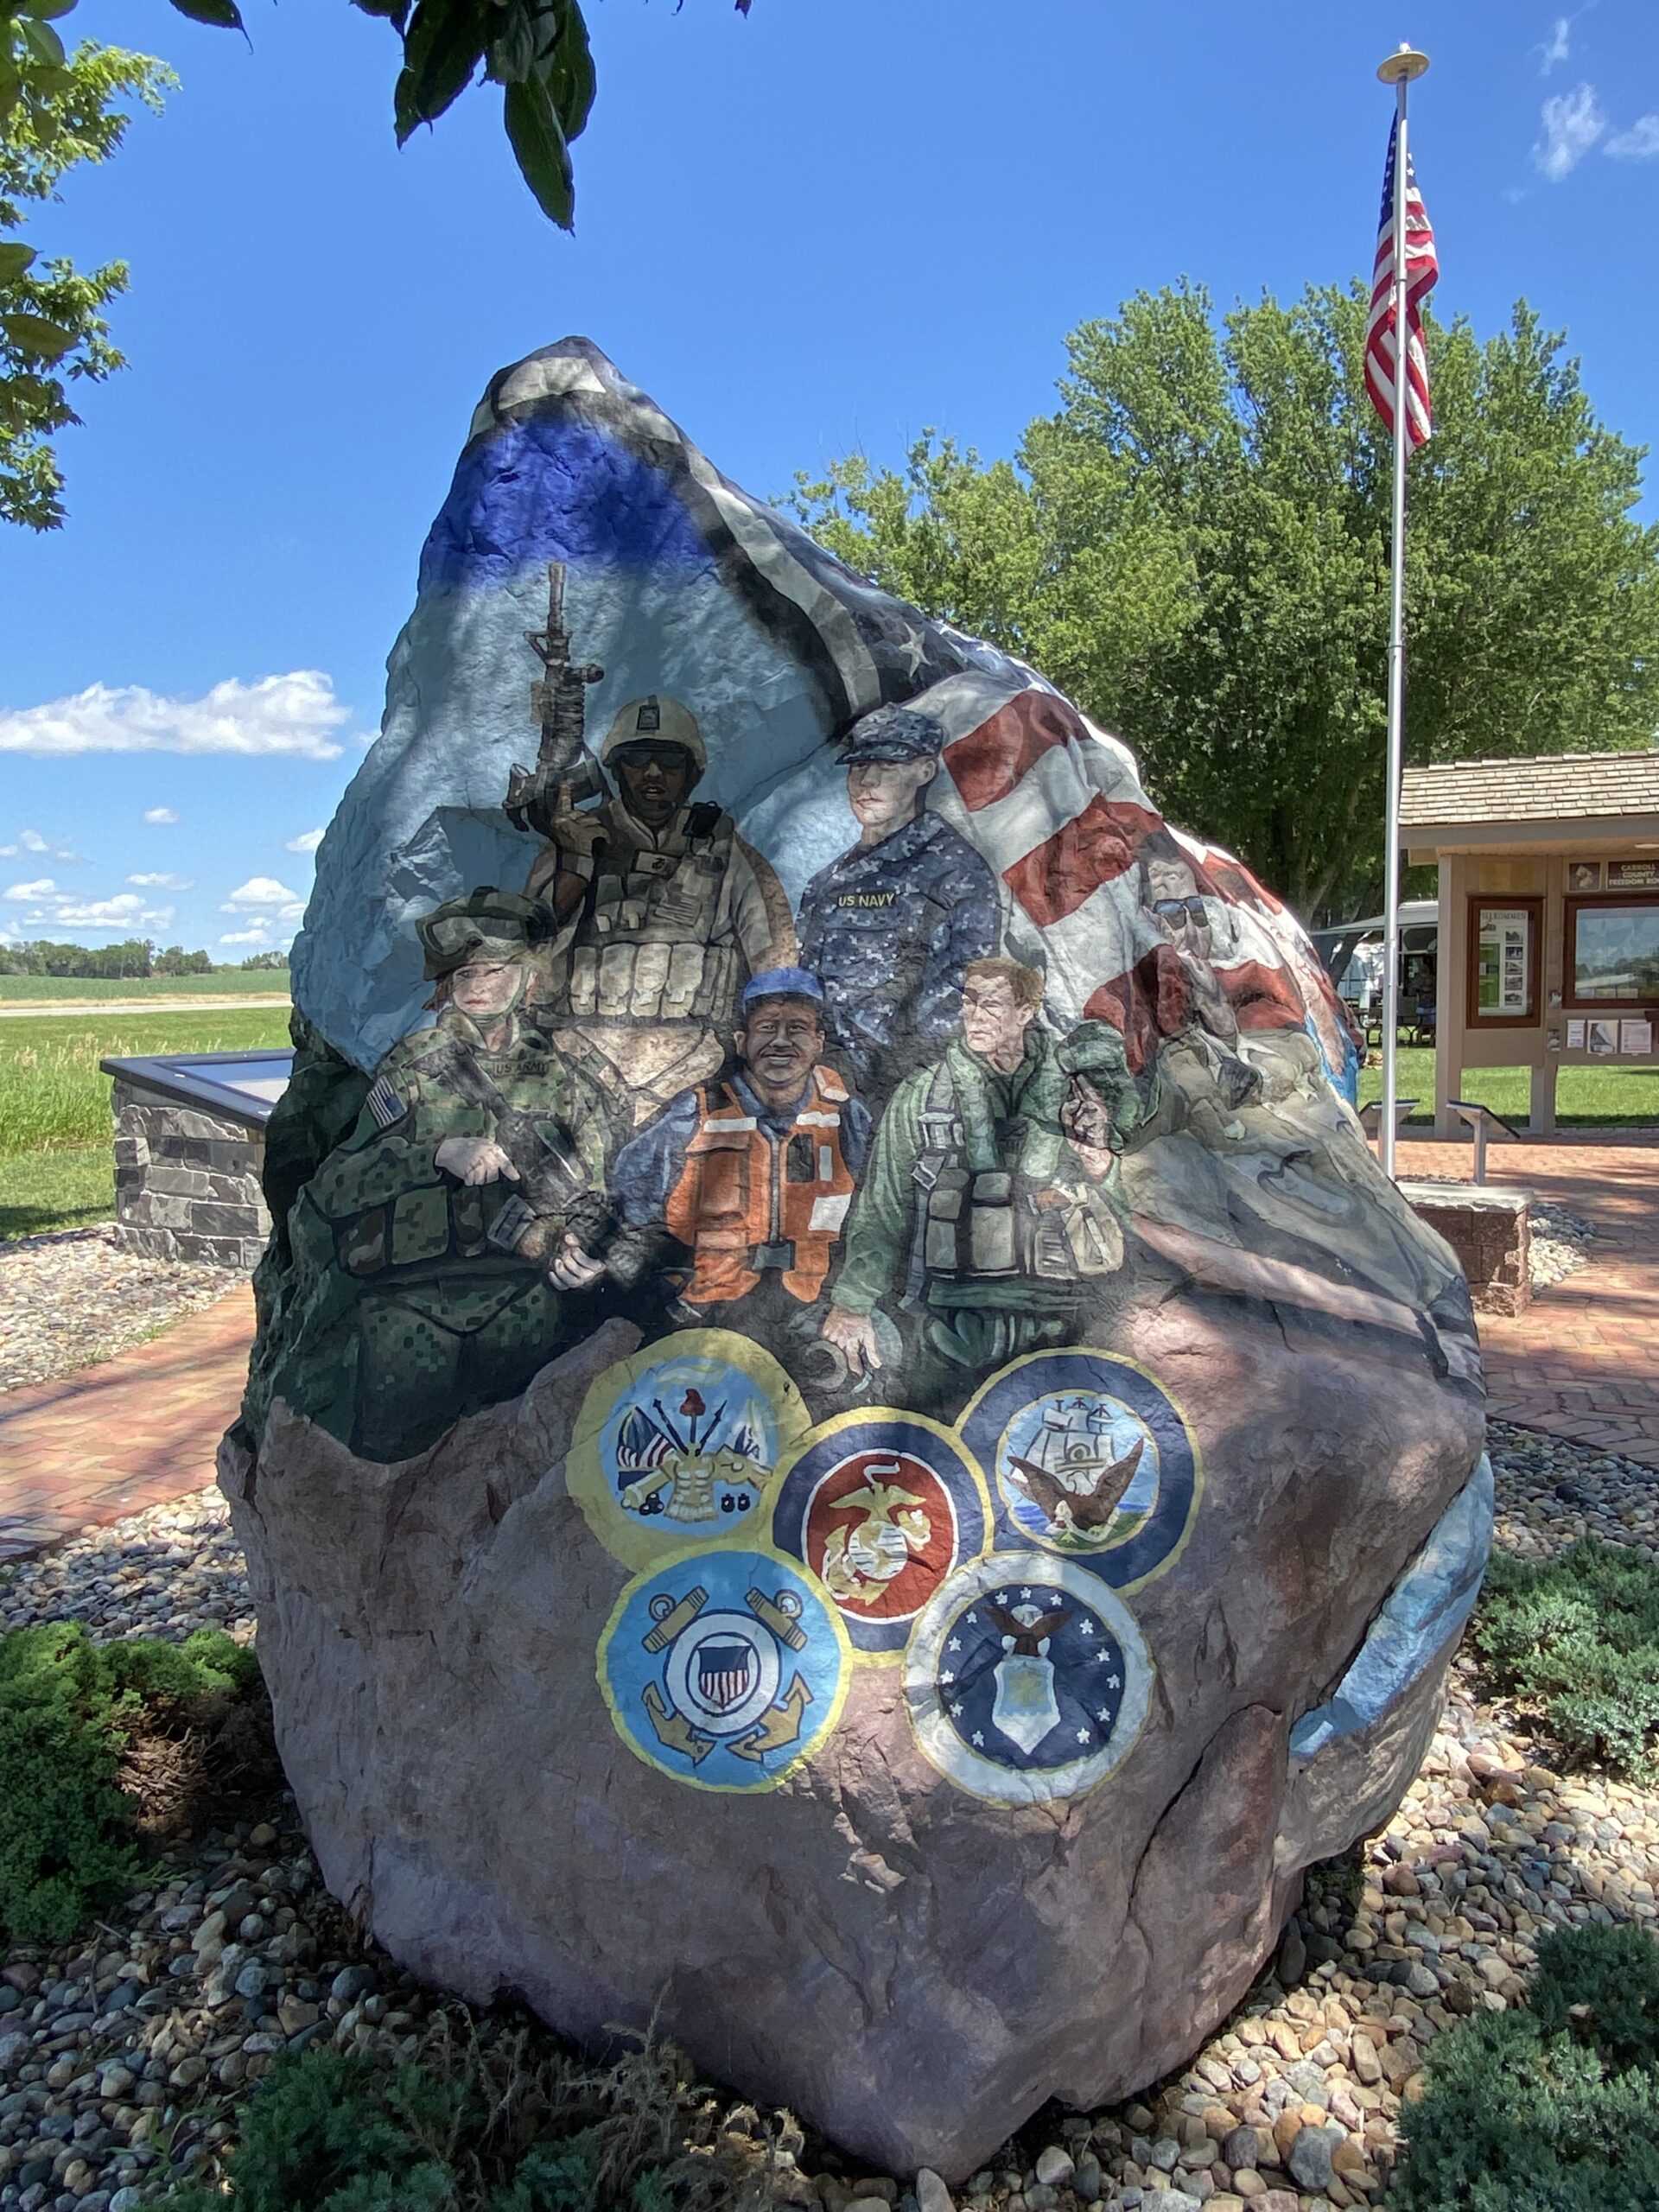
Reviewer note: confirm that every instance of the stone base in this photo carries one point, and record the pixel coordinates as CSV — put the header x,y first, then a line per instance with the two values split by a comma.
x,y
186,1183
1489,1226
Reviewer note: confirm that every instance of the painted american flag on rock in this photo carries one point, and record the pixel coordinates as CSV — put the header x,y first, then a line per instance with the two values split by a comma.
x,y
1422,270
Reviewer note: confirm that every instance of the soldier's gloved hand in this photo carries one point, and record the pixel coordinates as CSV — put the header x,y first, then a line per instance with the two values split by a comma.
x,y
574,1267
853,1337
475,1159
578,836
1087,1120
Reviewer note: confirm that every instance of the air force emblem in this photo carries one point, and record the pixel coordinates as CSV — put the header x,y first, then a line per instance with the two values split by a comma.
x,y
724,1668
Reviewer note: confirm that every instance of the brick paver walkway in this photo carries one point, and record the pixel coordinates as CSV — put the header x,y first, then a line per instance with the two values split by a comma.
x,y
1583,1360
131,1432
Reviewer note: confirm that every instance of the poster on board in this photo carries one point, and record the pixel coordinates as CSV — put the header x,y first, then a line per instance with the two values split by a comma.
x,y
1503,970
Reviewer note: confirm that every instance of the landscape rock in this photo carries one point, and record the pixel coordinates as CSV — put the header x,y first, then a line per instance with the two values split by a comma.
x,y
916,1744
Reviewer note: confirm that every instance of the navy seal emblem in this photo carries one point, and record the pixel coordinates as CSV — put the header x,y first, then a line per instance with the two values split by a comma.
x,y
724,1668
1026,1679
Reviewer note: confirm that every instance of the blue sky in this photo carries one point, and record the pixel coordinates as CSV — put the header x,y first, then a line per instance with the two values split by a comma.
x,y
828,224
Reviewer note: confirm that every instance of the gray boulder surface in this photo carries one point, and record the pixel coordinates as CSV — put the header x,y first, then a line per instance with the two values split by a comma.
x,y
846,1451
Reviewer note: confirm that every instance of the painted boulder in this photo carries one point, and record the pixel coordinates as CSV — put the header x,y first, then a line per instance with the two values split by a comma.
x,y
846,1449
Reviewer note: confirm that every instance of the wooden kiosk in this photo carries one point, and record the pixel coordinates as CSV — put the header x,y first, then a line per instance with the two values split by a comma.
x,y
1550,915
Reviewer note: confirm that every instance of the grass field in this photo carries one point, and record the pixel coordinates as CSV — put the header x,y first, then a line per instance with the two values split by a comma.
x,y
55,1166
1586,1098
89,990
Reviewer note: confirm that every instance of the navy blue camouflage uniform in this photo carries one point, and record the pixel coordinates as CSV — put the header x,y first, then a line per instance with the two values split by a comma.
x,y
890,929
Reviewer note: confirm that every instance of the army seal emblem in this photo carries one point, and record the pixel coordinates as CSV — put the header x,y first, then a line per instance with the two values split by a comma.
x,y
1090,1459
724,1668
1026,1680
680,1444
881,1507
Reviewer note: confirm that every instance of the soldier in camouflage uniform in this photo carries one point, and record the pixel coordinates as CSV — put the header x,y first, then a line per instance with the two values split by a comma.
x,y
433,1223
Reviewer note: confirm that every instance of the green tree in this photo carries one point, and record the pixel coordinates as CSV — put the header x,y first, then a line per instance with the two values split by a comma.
x,y
1195,546
56,111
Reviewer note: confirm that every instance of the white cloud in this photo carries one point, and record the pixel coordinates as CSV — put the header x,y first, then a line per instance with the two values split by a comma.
x,y
293,714
1639,144
159,882
260,890
161,814
60,910
44,888
1557,47
258,935
31,840
1572,122
307,842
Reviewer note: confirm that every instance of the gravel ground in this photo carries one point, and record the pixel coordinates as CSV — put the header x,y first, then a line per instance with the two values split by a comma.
x,y
1561,1245
69,1300
122,2060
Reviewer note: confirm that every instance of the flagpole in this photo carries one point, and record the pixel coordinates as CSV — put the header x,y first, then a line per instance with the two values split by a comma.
x,y
1398,70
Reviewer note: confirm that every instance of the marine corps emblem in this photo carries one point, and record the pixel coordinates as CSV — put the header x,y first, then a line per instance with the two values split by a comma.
x,y
881,1507
680,1445
723,1669
1089,1458
1026,1679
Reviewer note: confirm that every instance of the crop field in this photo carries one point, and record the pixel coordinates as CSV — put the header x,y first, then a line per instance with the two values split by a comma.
x,y
56,1170
95,990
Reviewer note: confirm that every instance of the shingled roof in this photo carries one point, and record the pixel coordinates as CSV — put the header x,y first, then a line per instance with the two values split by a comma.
x,y
1553,787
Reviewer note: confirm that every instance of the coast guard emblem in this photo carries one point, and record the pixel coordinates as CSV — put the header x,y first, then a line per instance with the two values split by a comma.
x,y
1026,1679
723,1669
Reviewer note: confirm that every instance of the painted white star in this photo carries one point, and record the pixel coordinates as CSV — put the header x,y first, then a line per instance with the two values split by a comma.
x,y
1113,1683
947,1676
1083,1735
973,1619
977,1741
1104,1713
955,1710
1087,1629
954,1644
1026,1592
1003,1597
1101,1657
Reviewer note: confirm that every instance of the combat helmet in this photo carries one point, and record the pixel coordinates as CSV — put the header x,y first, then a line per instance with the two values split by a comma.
x,y
655,719
500,924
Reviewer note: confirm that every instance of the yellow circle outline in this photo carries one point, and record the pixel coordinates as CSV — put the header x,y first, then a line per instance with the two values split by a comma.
x,y
1139,1367
946,1434
688,1555
585,1479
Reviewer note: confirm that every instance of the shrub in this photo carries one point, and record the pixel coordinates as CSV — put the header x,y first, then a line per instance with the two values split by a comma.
x,y
496,2121
1577,1642
1553,2108
68,1710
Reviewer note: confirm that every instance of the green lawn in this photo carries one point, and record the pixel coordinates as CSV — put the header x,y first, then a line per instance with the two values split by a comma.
x,y
55,1168
1586,1098
89,990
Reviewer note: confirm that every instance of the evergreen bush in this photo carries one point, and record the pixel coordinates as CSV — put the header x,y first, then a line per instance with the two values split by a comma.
x,y
68,1707
1576,1641
1551,2109
498,2121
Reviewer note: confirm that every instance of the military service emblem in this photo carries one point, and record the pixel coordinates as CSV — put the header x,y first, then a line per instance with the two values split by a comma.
x,y
881,1507
1026,1680
1091,1458
724,1668
680,1444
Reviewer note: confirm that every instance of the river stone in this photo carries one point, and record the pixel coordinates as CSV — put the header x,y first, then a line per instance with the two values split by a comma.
x,y
898,1611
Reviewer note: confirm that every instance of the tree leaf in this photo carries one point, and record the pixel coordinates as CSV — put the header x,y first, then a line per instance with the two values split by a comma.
x,y
222,15
33,333
395,11
539,147
442,48
14,259
570,75
46,10
40,41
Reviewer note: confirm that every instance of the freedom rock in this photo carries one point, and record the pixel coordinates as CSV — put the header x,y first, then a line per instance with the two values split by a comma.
x,y
846,1449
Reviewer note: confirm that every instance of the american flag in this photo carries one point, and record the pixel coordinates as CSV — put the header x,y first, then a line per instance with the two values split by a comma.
x,y
1423,268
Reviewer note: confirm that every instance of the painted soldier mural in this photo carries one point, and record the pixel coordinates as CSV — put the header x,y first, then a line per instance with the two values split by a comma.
x,y
478,1144
890,925
750,1177
664,911
993,1192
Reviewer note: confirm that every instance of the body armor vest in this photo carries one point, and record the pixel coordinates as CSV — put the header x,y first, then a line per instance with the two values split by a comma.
x,y
654,942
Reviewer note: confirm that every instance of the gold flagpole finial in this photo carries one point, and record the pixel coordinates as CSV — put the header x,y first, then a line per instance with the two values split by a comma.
x,y
1402,66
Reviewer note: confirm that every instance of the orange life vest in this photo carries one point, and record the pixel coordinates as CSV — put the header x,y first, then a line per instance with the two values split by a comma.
x,y
749,1201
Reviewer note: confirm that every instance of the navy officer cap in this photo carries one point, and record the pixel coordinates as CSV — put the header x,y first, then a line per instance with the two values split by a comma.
x,y
892,734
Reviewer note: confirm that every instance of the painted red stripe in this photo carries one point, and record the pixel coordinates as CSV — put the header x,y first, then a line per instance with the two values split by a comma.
x,y
986,764
1094,848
